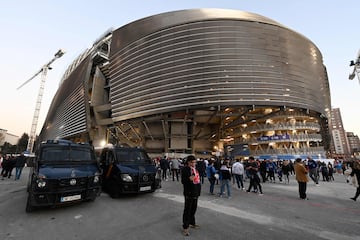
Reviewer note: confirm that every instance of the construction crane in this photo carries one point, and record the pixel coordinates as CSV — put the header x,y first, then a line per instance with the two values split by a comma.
x,y
356,64
34,124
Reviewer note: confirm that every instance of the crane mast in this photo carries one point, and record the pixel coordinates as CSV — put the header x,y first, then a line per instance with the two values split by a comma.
x,y
35,119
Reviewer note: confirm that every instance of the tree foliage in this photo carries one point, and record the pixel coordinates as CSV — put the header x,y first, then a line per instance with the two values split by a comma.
x,y
21,146
23,141
8,148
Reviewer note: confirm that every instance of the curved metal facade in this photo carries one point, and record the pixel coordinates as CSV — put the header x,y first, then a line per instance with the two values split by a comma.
x,y
206,57
195,80
67,113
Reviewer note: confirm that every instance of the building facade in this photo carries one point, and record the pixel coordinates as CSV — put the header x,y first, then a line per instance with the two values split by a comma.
x,y
354,144
341,147
200,81
8,137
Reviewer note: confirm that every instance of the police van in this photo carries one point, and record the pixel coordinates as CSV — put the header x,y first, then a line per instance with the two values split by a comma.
x,y
127,170
63,172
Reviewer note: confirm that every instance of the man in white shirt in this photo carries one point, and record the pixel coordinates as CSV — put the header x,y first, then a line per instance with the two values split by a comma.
x,y
238,172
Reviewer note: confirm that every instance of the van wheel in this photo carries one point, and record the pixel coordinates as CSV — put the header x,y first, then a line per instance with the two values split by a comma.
x,y
29,207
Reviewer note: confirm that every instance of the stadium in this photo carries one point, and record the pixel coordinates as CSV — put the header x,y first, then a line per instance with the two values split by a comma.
x,y
200,81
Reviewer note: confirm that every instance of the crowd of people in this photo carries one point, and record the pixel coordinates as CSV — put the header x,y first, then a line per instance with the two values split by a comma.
x,y
224,171
8,163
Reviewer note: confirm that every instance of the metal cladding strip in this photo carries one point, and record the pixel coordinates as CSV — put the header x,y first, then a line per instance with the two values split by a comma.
x,y
66,115
215,57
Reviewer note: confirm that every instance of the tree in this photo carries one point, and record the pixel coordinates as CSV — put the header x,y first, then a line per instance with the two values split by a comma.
x,y
8,148
22,143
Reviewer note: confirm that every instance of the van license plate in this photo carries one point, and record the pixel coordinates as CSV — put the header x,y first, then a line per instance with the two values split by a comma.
x,y
70,198
147,188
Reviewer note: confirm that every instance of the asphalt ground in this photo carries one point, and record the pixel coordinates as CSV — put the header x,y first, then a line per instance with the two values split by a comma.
x,y
277,214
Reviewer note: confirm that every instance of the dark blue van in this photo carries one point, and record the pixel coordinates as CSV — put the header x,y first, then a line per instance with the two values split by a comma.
x,y
63,172
127,170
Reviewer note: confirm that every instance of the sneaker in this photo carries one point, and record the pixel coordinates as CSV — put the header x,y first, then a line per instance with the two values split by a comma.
x,y
354,199
186,232
260,194
194,226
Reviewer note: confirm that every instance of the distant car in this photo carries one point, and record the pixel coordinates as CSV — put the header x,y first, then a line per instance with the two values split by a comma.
x,y
127,170
62,172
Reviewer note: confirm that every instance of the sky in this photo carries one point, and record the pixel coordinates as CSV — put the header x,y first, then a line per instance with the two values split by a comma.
x,y
33,31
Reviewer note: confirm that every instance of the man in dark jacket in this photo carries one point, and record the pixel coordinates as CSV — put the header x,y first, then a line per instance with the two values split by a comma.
x,y
164,165
190,179
19,165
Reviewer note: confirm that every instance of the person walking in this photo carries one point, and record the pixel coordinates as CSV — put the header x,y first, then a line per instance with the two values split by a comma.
x,y
331,172
286,171
175,167
238,172
313,170
301,178
164,165
4,165
253,167
201,167
190,179
19,165
271,168
355,173
210,173
225,176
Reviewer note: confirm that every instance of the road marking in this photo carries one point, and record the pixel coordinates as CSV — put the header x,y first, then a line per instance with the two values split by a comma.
x,y
231,211
257,218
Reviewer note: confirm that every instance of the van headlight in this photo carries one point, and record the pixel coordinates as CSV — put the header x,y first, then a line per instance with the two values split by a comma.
x,y
96,178
41,181
126,177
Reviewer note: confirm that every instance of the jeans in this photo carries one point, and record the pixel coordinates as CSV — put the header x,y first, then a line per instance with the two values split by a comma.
x,y
313,175
239,180
175,172
18,172
225,183
212,184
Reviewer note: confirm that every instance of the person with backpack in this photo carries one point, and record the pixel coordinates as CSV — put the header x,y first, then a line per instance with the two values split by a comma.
x,y
225,176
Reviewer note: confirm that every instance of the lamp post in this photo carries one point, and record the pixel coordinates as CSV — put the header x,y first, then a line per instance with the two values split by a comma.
x,y
356,64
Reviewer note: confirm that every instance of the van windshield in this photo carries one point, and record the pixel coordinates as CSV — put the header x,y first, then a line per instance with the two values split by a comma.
x,y
131,155
67,154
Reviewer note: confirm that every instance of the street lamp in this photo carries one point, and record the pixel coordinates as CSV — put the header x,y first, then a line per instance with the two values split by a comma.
x,y
356,64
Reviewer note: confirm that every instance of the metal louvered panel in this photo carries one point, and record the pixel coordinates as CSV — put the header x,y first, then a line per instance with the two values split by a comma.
x,y
67,114
214,61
